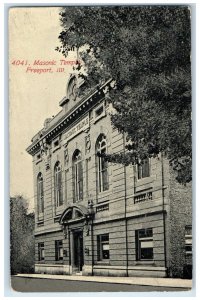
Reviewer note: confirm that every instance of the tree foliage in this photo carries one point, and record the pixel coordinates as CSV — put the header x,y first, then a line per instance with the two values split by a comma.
x,y
21,236
146,50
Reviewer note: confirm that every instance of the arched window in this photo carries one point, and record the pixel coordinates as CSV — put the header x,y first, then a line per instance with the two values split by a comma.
x,y
72,89
77,176
102,164
40,193
58,184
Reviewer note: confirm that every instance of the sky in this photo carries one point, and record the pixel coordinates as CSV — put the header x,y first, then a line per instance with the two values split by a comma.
x,y
33,97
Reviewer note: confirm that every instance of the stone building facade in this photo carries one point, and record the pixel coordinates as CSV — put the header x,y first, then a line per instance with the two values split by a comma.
x,y
100,218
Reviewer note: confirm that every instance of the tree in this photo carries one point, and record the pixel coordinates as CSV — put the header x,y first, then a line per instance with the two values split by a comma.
x,y
146,50
21,236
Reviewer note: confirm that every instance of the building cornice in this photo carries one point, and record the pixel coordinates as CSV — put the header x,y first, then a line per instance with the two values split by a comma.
x,y
66,120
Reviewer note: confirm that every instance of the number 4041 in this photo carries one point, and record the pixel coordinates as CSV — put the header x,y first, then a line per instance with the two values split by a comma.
x,y
19,62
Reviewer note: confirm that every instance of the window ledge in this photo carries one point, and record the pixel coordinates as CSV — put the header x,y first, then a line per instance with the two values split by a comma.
x,y
38,161
103,194
102,202
99,118
103,263
40,223
42,262
57,218
145,262
59,209
78,201
58,214
104,206
56,148
146,179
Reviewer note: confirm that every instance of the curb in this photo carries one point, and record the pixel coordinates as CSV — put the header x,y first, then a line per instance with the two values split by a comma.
x,y
162,282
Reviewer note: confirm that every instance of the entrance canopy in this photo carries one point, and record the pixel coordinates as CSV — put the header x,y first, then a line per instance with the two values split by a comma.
x,y
74,212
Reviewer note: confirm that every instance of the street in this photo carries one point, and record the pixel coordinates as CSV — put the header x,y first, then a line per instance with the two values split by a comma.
x,y
21,284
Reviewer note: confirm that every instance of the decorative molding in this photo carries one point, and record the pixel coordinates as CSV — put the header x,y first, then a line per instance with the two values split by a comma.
x,y
67,120
87,144
66,156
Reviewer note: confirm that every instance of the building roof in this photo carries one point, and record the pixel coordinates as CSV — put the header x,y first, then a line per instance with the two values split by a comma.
x,y
63,120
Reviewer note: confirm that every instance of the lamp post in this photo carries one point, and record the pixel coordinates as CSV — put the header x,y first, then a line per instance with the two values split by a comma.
x,y
91,214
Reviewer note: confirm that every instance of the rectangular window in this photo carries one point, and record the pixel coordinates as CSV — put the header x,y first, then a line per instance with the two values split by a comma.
x,y
56,144
99,112
143,169
103,248
188,240
38,158
144,244
59,250
40,251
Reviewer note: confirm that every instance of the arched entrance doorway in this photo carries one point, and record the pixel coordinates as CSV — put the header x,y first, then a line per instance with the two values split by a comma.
x,y
75,221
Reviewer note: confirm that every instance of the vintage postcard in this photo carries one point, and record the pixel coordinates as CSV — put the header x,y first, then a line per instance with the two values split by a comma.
x,y
100,148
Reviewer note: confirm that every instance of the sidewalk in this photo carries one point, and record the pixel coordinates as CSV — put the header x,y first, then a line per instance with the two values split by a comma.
x,y
163,282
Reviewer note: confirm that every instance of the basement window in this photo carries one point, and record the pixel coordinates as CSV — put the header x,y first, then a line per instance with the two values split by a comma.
x,y
188,240
40,251
103,248
59,250
144,244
